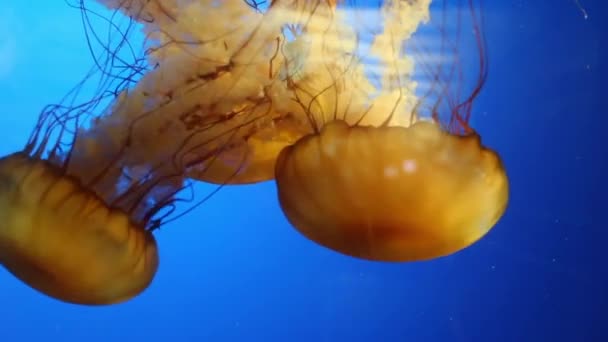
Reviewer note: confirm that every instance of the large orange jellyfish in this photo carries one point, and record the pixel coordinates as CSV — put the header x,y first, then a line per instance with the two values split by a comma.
x,y
69,227
321,96
391,191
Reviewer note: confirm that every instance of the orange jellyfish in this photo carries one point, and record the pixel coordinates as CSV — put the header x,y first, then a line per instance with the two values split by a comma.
x,y
397,192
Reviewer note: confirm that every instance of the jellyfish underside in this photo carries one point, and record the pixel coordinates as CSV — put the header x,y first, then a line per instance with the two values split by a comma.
x,y
391,194
62,240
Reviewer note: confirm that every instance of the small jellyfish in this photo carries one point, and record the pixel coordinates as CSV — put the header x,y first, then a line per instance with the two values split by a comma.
x,y
75,227
63,239
391,193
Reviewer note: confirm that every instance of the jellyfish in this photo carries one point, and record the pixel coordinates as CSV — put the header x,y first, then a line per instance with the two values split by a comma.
x,y
63,239
73,229
77,219
236,93
392,191
368,160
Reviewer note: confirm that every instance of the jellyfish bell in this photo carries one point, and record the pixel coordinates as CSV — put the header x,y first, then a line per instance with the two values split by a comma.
x,y
62,239
391,193
77,221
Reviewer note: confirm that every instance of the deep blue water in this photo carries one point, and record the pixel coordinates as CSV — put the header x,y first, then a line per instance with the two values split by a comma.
x,y
234,270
